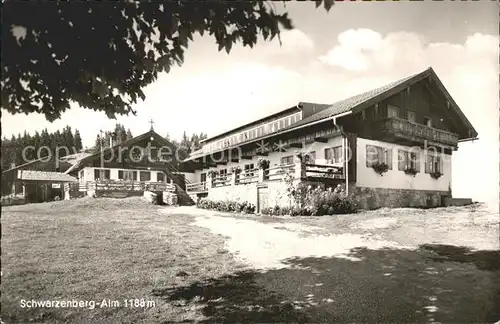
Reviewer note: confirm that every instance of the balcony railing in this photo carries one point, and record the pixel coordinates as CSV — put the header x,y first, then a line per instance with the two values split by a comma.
x,y
298,170
196,187
325,171
116,185
417,133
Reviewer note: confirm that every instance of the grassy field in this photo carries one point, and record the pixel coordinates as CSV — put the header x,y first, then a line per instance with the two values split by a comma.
x,y
95,249
181,259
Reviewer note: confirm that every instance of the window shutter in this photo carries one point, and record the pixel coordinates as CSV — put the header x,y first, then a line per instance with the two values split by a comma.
x,y
96,174
107,174
134,175
402,156
120,174
427,163
417,162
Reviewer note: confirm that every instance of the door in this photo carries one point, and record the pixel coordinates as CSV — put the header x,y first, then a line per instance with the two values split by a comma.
x,y
262,199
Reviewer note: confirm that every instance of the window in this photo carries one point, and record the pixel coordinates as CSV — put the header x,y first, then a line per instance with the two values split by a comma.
x,y
333,155
160,177
145,176
287,122
282,123
127,175
310,157
102,174
428,121
408,160
412,116
287,160
261,131
392,111
293,119
433,163
248,170
82,173
203,177
223,173
377,154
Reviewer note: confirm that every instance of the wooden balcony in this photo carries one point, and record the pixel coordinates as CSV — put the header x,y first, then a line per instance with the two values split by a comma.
x,y
117,185
196,187
413,133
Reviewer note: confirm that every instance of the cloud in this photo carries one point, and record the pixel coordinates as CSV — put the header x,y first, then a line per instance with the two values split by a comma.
x,y
367,51
295,40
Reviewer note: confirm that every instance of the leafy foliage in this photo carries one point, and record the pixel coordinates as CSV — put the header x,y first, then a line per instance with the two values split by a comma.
x,y
263,163
380,167
436,175
227,206
102,54
411,171
307,200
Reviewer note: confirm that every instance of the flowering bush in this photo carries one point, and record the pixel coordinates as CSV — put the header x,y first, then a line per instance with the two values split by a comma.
x,y
263,163
380,167
227,206
308,201
410,171
436,174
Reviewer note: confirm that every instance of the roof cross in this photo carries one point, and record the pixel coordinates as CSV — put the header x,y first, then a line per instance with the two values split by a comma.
x,y
151,122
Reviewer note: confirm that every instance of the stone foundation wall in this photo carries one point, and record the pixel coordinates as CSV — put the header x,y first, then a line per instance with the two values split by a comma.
x,y
372,198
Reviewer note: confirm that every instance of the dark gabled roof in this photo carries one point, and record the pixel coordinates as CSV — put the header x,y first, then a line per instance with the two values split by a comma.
x,y
369,98
360,102
43,159
350,103
44,176
126,143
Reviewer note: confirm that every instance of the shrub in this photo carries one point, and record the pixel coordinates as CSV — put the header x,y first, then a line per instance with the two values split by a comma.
x,y
227,206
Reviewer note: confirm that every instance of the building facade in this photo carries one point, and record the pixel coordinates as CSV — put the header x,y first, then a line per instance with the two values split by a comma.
x,y
391,146
144,163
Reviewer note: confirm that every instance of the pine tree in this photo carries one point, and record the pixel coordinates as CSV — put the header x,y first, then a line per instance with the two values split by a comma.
x,y
78,141
45,143
129,134
69,140
98,143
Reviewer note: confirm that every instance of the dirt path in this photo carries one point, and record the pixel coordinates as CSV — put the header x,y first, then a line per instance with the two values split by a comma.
x,y
268,244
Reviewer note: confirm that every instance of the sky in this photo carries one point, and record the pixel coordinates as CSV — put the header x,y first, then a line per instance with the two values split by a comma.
x,y
353,48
